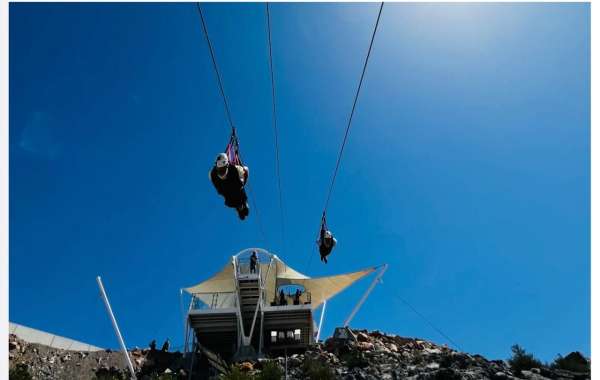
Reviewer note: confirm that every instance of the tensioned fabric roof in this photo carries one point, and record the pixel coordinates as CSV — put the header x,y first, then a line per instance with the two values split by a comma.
x,y
274,275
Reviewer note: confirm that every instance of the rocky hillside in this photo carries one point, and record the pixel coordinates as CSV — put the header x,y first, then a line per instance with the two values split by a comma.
x,y
43,362
361,355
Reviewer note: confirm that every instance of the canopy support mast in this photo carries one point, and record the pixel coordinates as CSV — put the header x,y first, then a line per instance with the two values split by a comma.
x,y
364,297
116,327
321,320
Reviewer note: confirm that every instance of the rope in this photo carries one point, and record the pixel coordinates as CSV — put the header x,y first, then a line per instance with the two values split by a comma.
x,y
258,220
255,208
309,262
214,61
228,112
323,224
353,108
438,330
275,126
337,165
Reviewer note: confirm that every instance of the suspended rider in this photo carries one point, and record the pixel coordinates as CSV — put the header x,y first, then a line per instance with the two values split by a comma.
x,y
326,243
229,180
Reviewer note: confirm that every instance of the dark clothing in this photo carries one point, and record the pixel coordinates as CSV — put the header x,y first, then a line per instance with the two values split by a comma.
x,y
166,346
253,260
325,246
282,300
230,187
153,345
297,297
324,257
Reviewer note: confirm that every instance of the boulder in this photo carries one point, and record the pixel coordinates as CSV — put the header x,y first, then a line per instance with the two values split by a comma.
x,y
365,346
246,367
432,351
433,365
380,347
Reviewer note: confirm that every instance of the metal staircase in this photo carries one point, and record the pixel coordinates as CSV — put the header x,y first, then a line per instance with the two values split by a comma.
x,y
249,290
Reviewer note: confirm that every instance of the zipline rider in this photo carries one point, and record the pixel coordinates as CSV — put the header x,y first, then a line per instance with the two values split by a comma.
x,y
229,180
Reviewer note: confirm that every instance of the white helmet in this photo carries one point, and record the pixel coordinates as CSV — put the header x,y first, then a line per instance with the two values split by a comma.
x,y
222,160
327,234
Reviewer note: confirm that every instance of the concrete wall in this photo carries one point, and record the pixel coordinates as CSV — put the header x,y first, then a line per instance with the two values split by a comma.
x,y
37,336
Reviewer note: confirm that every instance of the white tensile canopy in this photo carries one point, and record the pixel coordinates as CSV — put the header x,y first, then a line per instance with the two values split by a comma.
x,y
274,275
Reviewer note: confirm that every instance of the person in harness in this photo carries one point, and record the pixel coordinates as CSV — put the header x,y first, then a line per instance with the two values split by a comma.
x,y
326,241
229,180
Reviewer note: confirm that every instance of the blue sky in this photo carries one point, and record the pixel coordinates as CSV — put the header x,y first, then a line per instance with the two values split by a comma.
x,y
467,167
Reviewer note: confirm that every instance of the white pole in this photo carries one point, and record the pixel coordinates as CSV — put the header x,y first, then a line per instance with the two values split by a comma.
x,y
115,326
364,297
183,316
321,319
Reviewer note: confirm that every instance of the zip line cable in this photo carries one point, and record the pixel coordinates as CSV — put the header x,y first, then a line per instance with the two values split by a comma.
x,y
438,330
275,126
228,112
311,256
214,61
258,220
337,165
253,203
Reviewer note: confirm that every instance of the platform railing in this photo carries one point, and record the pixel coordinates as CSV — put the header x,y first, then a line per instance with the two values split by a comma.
x,y
290,299
213,300
243,266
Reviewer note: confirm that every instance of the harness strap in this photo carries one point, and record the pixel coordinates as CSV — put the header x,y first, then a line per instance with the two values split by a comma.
x,y
323,227
233,149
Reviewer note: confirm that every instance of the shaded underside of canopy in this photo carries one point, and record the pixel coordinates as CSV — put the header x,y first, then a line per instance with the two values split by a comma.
x,y
274,275
324,288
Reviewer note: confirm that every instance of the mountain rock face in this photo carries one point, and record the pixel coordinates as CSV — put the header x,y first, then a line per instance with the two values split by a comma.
x,y
43,362
374,355
361,355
